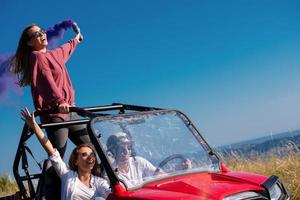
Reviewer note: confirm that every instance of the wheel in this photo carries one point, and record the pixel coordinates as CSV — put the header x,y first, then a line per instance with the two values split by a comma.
x,y
168,159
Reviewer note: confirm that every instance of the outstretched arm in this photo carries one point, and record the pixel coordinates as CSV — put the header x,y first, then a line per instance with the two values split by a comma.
x,y
30,121
67,49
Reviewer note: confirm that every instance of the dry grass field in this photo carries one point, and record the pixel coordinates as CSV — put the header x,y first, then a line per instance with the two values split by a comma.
x,y
286,167
7,186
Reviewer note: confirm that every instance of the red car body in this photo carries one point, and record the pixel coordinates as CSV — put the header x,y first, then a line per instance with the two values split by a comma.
x,y
194,186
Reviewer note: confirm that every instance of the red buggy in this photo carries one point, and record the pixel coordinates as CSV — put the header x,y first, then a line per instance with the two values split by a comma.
x,y
166,138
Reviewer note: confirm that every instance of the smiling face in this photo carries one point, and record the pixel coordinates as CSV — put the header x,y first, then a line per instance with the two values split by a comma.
x,y
86,159
123,153
38,39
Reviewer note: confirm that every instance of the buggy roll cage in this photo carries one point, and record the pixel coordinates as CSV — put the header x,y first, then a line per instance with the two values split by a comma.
x,y
88,112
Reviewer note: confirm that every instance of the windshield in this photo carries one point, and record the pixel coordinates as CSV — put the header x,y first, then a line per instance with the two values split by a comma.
x,y
152,145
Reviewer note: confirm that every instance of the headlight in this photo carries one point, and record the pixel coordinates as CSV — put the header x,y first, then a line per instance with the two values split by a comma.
x,y
275,188
243,195
275,192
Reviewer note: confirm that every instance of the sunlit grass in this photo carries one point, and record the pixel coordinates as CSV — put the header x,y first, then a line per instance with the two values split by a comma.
x,y
286,167
7,186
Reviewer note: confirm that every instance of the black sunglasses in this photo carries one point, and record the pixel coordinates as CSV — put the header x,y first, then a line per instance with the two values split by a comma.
x,y
123,148
37,34
86,154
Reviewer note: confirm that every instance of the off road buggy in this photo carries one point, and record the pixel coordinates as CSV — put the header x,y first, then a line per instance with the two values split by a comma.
x,y
165,138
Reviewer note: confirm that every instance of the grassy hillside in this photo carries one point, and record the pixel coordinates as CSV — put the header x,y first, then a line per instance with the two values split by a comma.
x,y
286,167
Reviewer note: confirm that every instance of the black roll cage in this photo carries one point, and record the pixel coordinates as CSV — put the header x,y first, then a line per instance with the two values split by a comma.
x,y
89,113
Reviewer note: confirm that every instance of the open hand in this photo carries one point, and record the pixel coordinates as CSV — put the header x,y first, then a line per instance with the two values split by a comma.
x,y
28,117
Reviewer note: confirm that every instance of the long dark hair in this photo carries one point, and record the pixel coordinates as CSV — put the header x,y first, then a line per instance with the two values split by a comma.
x,y
21,61
74,156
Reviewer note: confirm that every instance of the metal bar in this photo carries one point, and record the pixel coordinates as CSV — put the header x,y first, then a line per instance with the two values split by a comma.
x,y
73,122
32,176
103,108
104,160
137,108
29,183
17,162
114,106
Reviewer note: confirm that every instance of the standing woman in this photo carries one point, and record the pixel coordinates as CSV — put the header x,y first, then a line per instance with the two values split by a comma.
x,y
45,72
81,180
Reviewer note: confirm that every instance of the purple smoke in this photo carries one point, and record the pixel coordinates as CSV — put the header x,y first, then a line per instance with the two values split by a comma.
x,y
4,63
56,32
8,80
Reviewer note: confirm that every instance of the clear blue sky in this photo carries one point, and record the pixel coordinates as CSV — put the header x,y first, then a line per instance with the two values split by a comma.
x,y
232,66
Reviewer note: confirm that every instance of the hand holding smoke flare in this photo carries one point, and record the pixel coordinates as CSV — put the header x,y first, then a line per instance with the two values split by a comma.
x,y
76,29
56,32
8,79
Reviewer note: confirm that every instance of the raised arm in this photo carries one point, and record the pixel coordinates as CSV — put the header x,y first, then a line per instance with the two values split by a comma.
x,y
68,48
30,121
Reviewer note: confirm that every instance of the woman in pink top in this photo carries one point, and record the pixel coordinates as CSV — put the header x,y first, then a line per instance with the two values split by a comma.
x,y
46,73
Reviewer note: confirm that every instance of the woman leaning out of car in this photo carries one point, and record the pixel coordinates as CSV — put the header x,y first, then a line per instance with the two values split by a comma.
x,y
81,180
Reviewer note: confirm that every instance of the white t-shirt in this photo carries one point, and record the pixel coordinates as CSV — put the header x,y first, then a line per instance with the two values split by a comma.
x,y
139,170
72,187
82,191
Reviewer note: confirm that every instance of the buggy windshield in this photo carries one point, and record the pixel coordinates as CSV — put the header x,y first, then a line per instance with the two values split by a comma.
x,y
147,146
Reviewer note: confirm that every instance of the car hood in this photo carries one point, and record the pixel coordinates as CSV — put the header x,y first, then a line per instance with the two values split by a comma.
x,y
200,186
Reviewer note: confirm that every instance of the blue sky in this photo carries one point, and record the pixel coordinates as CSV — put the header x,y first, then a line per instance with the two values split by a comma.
x,y
232,66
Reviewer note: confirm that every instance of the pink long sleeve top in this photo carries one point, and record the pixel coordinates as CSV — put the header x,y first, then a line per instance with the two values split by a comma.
x,y
51,84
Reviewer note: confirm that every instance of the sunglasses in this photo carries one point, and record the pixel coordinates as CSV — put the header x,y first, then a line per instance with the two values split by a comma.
x,y
37,34
86,154
124,148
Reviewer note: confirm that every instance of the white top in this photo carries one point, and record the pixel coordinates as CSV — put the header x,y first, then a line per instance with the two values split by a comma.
x,y
72,187
139,170
82,191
